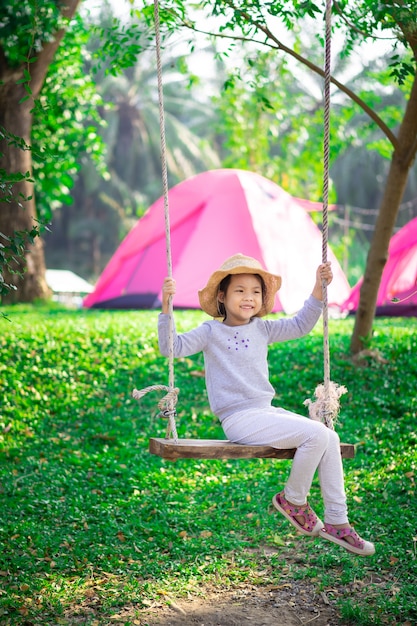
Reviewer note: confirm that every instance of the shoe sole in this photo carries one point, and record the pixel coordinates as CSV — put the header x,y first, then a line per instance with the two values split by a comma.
x,y
314,533
346,545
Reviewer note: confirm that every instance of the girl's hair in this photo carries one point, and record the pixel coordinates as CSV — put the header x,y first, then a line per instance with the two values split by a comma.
x,y
224,285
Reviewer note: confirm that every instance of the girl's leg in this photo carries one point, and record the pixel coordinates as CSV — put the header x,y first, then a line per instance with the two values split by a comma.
x,y
332,481
280,428
317,447
336,524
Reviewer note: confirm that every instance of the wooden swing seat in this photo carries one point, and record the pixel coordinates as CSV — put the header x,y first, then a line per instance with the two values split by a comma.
x,y
224,449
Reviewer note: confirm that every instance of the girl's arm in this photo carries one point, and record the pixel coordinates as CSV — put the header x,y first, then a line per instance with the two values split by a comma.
x,y
304,321
185,344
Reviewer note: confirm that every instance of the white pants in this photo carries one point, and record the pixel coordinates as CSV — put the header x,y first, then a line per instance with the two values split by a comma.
x,y
318,447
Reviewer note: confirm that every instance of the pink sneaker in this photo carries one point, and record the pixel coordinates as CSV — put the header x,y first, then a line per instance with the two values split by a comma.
x,y
312,524
339,536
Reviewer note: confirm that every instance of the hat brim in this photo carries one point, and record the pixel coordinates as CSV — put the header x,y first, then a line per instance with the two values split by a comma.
x,y
208,295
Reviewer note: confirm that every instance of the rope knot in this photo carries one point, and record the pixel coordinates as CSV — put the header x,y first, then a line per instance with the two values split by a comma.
x,y
166,404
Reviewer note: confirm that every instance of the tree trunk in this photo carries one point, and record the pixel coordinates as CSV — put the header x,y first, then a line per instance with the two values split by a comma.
x,y
19,215
16,119
401,163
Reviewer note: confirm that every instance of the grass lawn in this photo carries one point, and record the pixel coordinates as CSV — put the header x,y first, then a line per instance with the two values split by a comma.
x,y
90,522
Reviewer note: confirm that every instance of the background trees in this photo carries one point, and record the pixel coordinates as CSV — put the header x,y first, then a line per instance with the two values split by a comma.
x,y
29,37
91,143
355,23
254,103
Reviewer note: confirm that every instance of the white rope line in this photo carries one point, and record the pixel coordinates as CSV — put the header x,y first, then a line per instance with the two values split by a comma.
x,y
326,406
170,400
326,141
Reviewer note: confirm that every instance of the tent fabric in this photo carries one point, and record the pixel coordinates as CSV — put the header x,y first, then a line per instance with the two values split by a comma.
x,y
397,294
215,215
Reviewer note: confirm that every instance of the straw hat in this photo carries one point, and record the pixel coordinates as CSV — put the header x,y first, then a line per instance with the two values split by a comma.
x,y
238,264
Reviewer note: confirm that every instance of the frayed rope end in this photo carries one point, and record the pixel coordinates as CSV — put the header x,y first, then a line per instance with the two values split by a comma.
x,y
325,409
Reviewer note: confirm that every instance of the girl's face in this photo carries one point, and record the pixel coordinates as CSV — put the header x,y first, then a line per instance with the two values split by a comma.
x,y
242,299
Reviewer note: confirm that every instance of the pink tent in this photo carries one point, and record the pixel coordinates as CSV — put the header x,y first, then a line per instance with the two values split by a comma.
x,y
397,295
214,215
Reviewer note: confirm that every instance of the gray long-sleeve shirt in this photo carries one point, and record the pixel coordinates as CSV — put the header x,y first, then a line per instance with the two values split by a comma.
x,y
235,357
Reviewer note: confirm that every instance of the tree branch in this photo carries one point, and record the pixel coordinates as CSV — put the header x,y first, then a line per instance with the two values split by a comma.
x,y
312,66
352,26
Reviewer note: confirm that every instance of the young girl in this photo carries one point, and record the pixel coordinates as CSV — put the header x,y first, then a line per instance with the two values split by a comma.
x,y
235,349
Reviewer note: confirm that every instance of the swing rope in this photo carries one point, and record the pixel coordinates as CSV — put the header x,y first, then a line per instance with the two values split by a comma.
x,y
326,406
168,403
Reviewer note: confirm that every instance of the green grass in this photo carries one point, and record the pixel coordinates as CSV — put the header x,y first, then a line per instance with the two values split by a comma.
x,y
91,523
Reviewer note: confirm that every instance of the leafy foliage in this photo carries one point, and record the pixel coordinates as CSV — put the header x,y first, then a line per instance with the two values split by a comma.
x,y
270,121
10,249
122,45
94,526
25,27
66,123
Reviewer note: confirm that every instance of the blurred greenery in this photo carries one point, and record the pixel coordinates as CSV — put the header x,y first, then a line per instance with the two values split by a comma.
x,y
90,522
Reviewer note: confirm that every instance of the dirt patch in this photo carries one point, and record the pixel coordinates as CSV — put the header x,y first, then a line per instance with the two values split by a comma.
x,y
295,603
